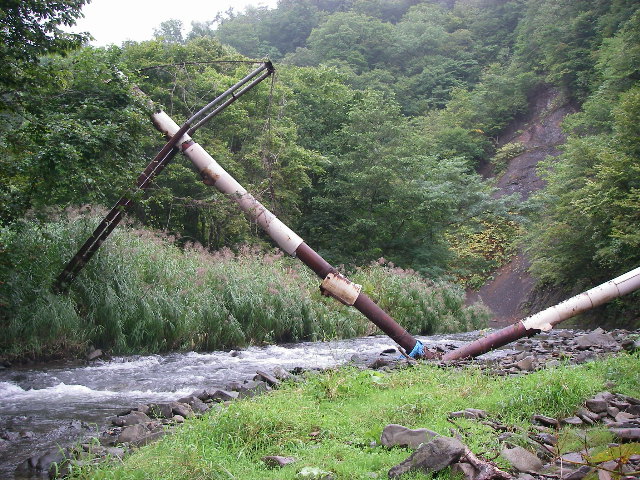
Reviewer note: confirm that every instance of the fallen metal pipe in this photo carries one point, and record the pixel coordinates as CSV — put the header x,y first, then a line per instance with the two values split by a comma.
x,y
334,284
547,319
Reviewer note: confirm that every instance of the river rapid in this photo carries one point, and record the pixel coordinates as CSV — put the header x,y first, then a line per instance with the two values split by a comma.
x,y
43,406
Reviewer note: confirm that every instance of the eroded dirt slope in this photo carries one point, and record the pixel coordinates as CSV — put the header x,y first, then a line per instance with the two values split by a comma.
x,y
540,134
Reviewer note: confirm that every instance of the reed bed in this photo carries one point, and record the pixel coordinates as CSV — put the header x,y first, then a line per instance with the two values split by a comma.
x,y
144,292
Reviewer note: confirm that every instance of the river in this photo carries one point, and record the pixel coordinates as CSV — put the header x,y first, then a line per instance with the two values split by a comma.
x,y
43,406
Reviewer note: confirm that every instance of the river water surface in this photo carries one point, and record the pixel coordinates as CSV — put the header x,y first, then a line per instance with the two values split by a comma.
x,y
44,406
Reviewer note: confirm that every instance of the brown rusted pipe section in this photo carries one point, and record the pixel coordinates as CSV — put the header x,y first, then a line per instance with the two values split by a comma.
x,y
363,303
490,342
547,319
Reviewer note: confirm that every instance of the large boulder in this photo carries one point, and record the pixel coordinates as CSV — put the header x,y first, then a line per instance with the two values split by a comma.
x,y
432,456
397,435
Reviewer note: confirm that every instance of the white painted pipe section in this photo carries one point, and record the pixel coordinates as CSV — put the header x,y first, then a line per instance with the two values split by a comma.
x,y
213,174
547,319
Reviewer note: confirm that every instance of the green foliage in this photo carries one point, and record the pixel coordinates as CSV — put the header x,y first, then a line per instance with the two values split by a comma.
x,y
588,230
141,293
75,138
31,28
504,155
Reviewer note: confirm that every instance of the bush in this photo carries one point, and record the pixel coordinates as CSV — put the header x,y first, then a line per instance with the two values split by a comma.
x,y
141,293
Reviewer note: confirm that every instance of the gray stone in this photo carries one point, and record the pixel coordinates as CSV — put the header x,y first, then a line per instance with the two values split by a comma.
x,y
182,409
626,433
597,338
580,473
613,411
527,364
46,461
546,421
464,469
252,388
133,433
625,417
94,354
197,405
160,410
132,418
547,438
281,374
431,457
267,377
223,396
597,405
273,461
178,418
521,459
572,421
471,413
397,435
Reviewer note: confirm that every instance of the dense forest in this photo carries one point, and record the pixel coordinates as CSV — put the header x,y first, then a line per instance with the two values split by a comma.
x,y
367,142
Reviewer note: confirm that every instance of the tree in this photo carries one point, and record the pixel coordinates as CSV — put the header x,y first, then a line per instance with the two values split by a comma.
x,y
30,29
169,31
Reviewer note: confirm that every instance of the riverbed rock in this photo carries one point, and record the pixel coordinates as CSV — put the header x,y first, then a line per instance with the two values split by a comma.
x,y
631,434
597,338
222,395
182,409
197,405
252,388
281,374
266,377
521,459
546,421
160,410
132,418
432,456
94,354
274,461
398,435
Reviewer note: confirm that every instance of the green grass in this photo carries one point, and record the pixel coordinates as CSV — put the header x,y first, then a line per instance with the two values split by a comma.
x,y
142,293
329,421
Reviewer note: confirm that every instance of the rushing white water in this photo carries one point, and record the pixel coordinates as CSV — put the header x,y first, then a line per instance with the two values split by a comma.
x,y
42,405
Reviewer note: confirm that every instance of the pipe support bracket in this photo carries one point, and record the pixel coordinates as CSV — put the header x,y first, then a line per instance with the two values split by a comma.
x,y
341,288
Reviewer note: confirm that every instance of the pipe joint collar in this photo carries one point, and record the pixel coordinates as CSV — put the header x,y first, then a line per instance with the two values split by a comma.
x,y
341,288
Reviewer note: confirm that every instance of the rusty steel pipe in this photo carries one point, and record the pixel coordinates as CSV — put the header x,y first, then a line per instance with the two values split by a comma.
x,y
547,319
334,284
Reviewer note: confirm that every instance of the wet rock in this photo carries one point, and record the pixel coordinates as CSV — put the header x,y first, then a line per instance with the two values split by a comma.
x,y
94,354
274,461
182,409
471,413
630,345
398,435
626,433
580,473
271,380
597,338
431,457
546,421
521,459
281,374
132,418
572,421
252,388
379,363
197,405
160,410
527,364
178,419
222,396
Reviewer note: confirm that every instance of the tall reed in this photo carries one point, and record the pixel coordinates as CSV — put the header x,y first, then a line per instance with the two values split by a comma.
x,y
142,293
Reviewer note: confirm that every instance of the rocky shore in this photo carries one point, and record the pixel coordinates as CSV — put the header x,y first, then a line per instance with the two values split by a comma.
x,y
146,423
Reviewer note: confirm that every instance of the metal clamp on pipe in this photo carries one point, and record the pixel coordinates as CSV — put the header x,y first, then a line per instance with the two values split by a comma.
x,y
341,288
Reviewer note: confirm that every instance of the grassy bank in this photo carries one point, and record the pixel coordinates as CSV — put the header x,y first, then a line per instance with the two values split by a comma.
x,y
330,421
142,293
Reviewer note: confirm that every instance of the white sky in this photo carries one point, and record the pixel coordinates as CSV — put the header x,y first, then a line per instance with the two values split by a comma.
x,y
114,21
